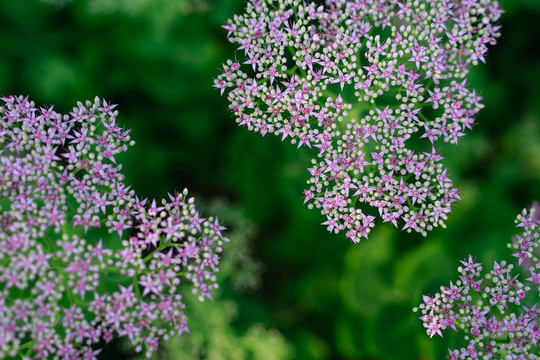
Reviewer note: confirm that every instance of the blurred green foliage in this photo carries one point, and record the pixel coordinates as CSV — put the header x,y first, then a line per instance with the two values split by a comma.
x,y
330,299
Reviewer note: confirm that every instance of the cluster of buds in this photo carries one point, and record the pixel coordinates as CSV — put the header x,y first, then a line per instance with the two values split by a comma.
x,y
497,310
82,259
371,85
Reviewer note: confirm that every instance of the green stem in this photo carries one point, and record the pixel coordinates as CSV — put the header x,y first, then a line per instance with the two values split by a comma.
x,y
292,70
48,243
164,245
137,289
29,352
423,117
26,345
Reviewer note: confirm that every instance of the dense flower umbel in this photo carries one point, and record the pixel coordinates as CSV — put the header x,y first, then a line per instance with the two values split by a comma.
x,y
497,310
367,83
82,259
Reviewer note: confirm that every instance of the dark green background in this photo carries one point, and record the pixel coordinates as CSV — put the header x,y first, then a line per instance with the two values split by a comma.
x,y
331,299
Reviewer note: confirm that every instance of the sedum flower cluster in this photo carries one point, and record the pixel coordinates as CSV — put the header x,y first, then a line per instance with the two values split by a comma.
x,y
82,259
497,309
371,86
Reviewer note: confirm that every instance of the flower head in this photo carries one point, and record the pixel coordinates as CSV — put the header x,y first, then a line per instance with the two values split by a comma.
x,y
82,258
497,310
364,84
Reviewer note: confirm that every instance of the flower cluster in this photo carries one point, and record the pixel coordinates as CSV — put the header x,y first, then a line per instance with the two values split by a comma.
x,y
82,258
498,310
372,85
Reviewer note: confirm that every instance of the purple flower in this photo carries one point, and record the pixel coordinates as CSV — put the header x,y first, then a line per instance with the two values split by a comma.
x,y
363,82
60,185
492,308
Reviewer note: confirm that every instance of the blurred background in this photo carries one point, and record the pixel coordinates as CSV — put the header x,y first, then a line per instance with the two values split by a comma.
x,y
291,289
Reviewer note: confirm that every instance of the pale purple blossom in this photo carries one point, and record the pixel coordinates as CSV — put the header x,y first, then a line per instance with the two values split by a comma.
x,y
363,83
497,309
82,258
